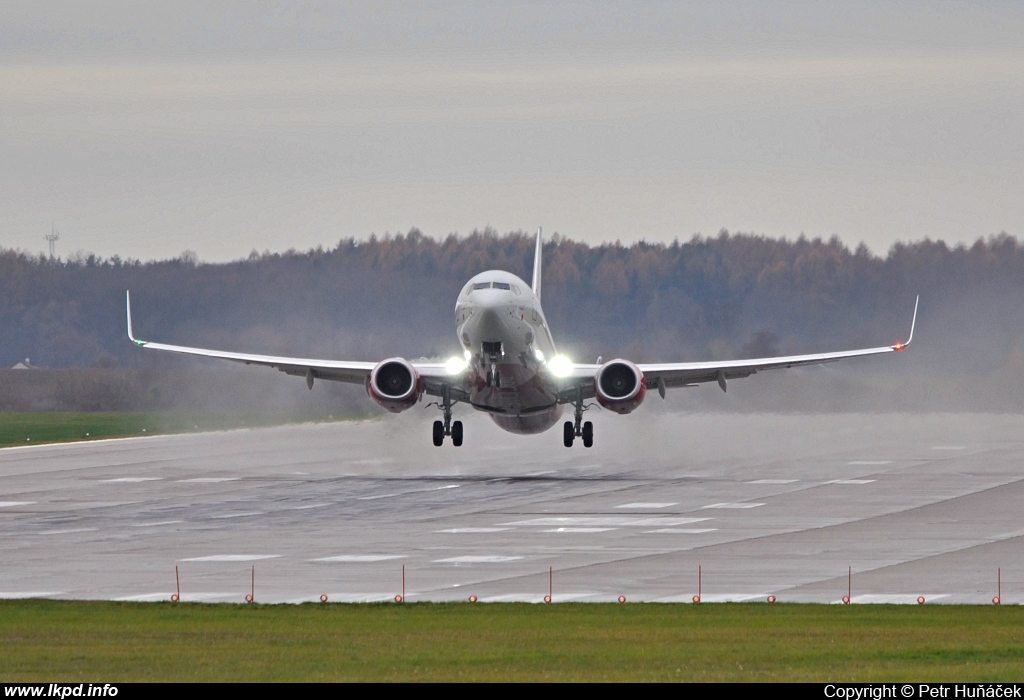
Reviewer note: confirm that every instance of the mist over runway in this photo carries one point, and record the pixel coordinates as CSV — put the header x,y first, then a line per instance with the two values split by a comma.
x,y
915,505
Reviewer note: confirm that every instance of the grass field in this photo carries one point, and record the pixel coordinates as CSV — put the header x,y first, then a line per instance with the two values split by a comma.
x,y
43,427
107,642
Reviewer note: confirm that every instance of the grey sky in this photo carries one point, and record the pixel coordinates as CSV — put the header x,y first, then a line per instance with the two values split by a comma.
x,y
145,129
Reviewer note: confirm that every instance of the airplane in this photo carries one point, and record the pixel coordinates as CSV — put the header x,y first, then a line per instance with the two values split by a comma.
x,y
510,368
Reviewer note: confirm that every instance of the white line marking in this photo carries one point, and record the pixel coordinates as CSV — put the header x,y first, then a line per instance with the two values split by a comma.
x,y
11,504
374,498
851,481
360,558
234,557
774,481
236,515
208,480
17,595
581,529
476,560
449,486
734,505
898,598
460,530
646,505
607,521
145,597
157,524
132,479
313,505
680,531
69,531
869,463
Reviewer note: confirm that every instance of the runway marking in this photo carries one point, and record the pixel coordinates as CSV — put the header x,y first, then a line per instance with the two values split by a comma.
x,y
234,557
360,558
897,598
774,481
734,505
314,505
852,481
69,531
374,498
949,447
646,505
460,530
608,521
537,598
157,524
236,515
208,480
680,531
476,560
581,529
132,479
18,595
145,598
869,463
717,598
449,486
11,504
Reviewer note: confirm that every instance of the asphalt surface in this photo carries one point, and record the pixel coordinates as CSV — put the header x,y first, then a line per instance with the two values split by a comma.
x,y
737,507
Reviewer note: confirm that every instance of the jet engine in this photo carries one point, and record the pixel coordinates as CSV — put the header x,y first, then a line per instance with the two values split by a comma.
x,y
394,384
620,386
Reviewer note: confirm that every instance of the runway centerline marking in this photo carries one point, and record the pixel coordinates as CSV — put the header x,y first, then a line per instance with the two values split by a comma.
x,y
680,531
482,559
737,506
69,531
132,479
208,480
162,522
460,530
774,481
12,504
236,515
234,557
581,529
374,498
359,558
852,481
606,521
646,505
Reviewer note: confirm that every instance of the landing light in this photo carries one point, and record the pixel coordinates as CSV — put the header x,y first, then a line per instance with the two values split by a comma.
x,y
560,366
454,366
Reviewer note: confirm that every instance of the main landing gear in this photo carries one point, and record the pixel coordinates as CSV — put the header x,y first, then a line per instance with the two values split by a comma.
x,y
448,426
576,427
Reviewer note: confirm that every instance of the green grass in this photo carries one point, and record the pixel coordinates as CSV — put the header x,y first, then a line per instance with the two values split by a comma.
x,y
102,641
45,427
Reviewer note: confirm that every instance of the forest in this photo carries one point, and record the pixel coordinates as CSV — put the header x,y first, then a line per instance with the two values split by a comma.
x,y
717,297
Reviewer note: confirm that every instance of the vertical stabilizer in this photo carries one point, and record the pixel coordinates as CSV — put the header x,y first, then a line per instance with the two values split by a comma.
x,y
537,266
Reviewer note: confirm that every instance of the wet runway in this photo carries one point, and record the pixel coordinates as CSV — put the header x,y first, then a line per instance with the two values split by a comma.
x,y
783,505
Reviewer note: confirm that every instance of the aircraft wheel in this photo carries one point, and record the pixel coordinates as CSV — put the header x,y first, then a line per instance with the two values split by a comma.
x,y
457,433
568,433
438,433
588,434
497,378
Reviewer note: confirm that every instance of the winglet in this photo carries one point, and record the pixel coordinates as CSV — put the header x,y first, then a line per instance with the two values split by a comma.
x,y
128,309
537,265
913,322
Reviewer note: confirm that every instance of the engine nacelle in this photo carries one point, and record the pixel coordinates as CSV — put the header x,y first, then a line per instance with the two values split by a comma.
x,y
620,386
394,384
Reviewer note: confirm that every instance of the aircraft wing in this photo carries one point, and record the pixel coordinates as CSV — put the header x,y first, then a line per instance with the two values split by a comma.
x,y
434,374
675,374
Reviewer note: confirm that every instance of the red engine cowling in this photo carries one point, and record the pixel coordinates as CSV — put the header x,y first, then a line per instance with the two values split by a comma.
x,y
620,386
394,384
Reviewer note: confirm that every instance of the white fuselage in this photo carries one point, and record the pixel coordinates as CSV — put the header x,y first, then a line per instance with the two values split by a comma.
x,y
505,336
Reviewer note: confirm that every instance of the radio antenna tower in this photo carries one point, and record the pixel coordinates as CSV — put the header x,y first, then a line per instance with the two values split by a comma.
x,y
53,238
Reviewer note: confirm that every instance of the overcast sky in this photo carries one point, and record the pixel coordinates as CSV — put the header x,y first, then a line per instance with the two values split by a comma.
x,y
144,129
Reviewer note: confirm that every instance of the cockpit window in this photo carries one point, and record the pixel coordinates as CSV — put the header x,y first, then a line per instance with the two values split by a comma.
x,y
481,285
502,285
